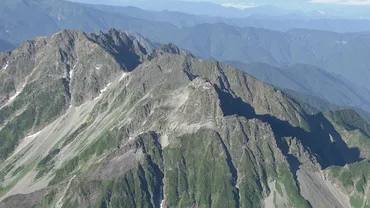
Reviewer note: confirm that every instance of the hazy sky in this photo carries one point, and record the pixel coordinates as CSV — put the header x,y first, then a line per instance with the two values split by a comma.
x,y
350,2
344,8
264,2
284,3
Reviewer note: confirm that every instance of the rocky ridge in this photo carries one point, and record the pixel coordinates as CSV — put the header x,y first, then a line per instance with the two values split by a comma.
x,y
107,120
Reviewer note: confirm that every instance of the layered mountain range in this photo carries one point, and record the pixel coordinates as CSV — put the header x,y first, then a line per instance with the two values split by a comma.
x,y
259,17
337,59
115,120
312,84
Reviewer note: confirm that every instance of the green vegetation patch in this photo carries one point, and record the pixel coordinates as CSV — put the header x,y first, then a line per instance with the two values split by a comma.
x,y
138,187
353,180
291,189
48,200
356,202
74,135
350,120
46,164
21,173
18,170
14,131
41,108
199,172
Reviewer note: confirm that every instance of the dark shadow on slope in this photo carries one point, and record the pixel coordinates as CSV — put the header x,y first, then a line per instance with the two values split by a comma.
x,y
121,48
294,164
322,139
154,168
329,144
234,106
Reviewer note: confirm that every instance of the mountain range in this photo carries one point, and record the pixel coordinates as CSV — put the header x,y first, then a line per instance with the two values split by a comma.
x,y
280,22
113,120
182,110
239,9
312,81
18,25
50,16
196,8
339,53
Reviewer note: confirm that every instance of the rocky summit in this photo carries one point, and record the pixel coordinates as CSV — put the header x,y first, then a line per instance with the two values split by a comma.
x,y
115,120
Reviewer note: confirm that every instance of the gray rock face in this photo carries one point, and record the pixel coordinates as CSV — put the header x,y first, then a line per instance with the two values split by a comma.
x,y
40,79
103,122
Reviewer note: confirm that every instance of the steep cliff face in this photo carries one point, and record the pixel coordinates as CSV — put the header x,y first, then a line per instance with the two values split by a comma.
x,y
116,124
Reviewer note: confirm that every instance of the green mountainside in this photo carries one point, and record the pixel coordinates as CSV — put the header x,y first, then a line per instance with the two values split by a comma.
x,y
339,53
312,85
312,104
112,120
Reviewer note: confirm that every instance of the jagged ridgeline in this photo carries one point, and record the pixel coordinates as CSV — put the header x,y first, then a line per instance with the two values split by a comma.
x,y
113,120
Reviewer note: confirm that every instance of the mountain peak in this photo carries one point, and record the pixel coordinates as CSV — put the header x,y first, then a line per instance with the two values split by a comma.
x,y
86,111
169,48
